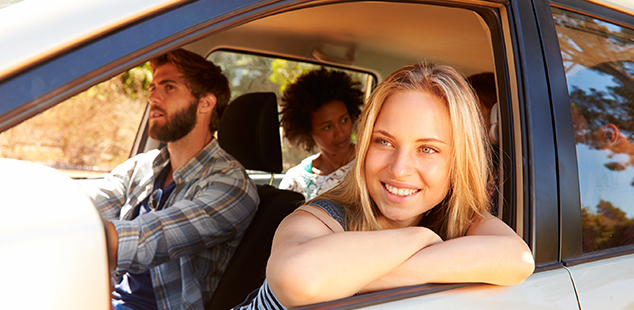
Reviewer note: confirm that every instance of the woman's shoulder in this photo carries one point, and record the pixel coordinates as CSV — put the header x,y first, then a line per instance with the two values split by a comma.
x,y
334,210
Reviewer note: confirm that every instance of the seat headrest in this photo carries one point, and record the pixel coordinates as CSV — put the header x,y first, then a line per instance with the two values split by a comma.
x,y
249,131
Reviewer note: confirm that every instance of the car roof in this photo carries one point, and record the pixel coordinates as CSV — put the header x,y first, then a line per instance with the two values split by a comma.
x,y
42,28
360,35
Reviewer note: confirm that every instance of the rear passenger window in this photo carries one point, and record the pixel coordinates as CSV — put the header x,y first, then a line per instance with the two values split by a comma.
x,y
249,73
599,62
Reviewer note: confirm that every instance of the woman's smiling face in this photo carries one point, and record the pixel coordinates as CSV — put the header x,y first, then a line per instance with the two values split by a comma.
x,y
407,166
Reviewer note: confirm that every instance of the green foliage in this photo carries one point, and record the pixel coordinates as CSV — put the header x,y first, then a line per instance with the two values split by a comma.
x,y
285,72
135,82
608,228
246,73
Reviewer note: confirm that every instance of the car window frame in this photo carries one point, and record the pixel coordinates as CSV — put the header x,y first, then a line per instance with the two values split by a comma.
x,y
574,240
45,83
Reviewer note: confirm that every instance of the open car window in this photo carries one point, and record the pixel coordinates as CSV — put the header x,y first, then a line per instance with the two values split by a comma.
x,y
88,134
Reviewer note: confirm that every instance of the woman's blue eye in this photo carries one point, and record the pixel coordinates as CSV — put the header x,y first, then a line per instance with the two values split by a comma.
x,y
427,150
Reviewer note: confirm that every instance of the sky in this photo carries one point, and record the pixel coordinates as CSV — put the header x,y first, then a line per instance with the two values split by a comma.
x,y
596,182
586,79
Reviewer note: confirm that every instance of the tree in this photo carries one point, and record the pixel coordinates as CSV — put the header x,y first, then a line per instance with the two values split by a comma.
x,y
93,130
608,228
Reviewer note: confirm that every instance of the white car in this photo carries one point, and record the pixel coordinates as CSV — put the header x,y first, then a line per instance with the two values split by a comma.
x,y
564,83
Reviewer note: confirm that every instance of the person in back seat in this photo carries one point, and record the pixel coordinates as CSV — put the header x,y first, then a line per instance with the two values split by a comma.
x,y
414,209
484,86
174,216
319,110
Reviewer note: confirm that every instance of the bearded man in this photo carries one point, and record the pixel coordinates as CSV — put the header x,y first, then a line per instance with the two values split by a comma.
x,y
173,217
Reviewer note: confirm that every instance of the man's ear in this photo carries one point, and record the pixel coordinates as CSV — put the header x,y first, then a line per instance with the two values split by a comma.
x,y
207,103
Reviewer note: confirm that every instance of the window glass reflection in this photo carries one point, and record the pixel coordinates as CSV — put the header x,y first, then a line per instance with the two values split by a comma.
x,y
598,59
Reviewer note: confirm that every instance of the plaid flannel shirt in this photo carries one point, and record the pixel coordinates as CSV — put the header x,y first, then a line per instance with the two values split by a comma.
x,y
188,244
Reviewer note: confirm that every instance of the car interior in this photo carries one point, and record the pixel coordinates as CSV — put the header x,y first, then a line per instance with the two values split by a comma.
x,y
375,38
371,38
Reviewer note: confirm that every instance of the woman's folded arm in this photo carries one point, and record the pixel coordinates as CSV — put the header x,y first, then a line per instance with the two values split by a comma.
x,y
309,263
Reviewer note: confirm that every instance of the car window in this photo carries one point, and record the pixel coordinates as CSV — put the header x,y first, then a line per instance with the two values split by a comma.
x,y
88,134
599,62
249,73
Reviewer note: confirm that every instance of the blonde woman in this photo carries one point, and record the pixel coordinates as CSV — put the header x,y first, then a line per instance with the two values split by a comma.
x,y
414,209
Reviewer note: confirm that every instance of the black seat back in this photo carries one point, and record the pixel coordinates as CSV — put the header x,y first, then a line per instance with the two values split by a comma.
x,y
249,131
246,270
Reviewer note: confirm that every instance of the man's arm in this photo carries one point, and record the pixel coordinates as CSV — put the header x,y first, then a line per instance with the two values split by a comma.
x,y
111,193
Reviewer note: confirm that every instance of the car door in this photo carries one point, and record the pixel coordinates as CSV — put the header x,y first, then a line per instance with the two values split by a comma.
x,y
535,186
596,43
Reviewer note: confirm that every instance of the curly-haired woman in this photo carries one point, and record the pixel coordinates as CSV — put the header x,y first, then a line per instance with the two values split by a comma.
x,y
319,110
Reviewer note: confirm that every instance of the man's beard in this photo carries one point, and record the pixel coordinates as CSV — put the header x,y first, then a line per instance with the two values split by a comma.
x,y
177,126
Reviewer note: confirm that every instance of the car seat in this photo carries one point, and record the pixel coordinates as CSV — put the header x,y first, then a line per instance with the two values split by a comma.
x,y
249,131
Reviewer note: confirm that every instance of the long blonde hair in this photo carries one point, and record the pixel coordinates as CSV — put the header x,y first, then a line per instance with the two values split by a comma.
x,y
467,197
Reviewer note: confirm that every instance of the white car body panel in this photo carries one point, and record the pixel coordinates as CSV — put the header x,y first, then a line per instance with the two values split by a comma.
x,y
68,23
52,242
626,6
543,290
605,284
